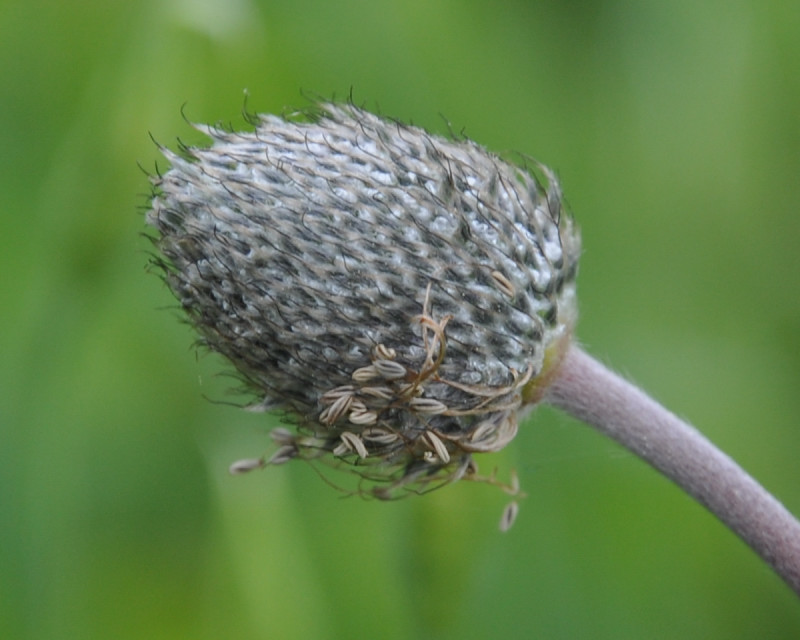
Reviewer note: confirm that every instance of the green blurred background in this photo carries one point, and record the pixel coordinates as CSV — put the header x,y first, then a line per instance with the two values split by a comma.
x,y
675,127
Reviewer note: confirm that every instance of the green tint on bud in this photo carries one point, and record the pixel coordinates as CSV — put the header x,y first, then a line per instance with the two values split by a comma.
x,y
400,296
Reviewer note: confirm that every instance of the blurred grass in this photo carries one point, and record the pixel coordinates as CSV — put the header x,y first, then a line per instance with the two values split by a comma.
x,y
676,130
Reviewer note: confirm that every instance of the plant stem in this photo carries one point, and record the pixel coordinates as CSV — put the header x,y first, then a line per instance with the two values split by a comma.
x,y
589,391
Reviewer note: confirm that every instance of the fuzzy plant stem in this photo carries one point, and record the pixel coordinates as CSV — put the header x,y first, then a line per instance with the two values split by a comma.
x,y
589,391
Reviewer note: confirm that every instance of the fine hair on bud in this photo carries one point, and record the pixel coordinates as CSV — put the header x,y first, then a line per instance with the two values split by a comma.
x,y
398,295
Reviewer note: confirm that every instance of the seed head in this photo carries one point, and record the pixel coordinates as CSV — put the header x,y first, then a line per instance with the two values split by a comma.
x,y
398,295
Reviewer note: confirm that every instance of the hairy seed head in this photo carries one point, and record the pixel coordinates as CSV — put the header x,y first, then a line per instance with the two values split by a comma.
x,y
399,295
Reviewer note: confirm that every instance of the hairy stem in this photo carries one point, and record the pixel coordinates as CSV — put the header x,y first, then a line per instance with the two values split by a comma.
x,y
589,391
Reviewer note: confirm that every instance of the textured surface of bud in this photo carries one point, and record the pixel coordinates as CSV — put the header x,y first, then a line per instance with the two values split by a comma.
x,y
398,294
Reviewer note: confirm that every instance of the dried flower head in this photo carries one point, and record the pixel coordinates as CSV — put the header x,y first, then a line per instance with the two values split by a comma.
x,y
400,296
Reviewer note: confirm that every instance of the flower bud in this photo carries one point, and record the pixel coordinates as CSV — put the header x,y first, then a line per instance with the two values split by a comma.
x,y
398,295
